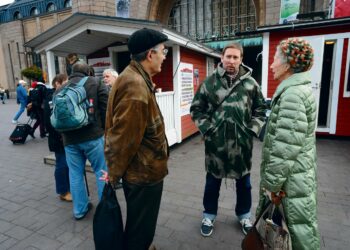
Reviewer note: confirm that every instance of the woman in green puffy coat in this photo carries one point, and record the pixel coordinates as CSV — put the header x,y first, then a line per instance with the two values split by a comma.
x,y
289,150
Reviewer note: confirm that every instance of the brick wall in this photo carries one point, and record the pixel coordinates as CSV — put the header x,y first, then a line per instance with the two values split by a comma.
x,y
10,50
101,7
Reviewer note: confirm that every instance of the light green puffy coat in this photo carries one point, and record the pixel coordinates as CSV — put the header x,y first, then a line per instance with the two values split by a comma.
x,y
289,158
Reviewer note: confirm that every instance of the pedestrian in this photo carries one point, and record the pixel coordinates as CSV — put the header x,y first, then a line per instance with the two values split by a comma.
x,y
2,94
21,99
228,109
136,147
35,106
289,150
71,59
109,77
55,142
86,142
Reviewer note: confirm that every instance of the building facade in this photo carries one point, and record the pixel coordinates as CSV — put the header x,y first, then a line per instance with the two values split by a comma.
x,y
208,21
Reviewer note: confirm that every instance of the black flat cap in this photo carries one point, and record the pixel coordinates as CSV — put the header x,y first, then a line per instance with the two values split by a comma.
x,y
145,39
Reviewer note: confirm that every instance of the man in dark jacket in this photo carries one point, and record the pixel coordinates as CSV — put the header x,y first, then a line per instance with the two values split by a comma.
x,y
86,142
36,105
136,147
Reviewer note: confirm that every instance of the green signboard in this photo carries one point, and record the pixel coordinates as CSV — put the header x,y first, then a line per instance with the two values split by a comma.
x,y
289,10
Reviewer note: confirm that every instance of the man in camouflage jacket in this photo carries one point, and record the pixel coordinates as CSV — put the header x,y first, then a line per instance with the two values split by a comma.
x,y
228,109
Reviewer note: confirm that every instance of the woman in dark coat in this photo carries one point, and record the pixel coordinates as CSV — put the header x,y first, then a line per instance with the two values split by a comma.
x,y
56,143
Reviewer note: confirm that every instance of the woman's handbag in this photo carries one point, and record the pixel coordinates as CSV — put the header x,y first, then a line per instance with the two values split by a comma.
x,y
108,221
266,234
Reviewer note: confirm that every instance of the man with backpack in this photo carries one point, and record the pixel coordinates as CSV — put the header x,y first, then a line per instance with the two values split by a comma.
x,y
82,140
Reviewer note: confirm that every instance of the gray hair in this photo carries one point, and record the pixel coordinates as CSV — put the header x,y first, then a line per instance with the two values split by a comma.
x,y
81,67
281,55
142,56
111,71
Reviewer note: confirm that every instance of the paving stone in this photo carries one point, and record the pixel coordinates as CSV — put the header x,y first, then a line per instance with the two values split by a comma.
x,y
18,232
8,243
31,211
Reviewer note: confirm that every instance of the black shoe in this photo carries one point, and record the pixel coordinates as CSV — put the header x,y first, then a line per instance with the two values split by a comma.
x,y
87,211
31,133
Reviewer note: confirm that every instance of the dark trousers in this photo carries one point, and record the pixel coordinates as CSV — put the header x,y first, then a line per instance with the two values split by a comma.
x,y
39,115
61,173
212,193
142,203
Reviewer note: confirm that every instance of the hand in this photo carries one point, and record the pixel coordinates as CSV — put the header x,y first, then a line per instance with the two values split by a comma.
x,y
104,177
276,198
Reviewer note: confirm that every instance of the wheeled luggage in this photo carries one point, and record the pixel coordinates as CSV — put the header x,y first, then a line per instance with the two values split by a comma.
x,y
21,132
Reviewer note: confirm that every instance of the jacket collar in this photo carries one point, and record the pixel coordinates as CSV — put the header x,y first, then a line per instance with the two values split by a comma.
x,y
143,73
294,80
244,71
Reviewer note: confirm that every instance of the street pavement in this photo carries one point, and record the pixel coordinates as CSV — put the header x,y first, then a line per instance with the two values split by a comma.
x,y
33,217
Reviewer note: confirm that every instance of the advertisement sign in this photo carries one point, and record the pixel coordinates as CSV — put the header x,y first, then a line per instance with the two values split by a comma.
x,y
289,10
99,65
186,82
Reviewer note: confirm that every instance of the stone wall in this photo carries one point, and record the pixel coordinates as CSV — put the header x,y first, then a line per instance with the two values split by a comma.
x,y
102,7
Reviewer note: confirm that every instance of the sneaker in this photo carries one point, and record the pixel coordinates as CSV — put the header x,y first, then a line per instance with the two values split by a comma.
x,y
87,211
14,121
66,197
207,227
246,225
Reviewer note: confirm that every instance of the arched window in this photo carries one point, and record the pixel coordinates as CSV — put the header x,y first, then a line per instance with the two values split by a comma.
x,y
34,11
51,7
17,15
68,3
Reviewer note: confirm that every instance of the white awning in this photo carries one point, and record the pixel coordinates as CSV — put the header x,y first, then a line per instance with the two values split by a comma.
x,y
85,33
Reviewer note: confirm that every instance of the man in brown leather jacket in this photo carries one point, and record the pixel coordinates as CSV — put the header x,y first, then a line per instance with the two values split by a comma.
x,y
136,147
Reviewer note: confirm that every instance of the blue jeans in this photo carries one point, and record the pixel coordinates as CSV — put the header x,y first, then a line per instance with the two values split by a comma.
x,y
76,155
212,193
20,111
61,173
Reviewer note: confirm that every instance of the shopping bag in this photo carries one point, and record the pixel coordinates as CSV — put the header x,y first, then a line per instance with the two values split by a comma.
x,y
108,222
266,234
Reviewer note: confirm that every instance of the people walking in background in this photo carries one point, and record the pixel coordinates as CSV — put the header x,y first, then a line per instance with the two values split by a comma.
x,y
86,142
71,59
289,150
36,106
21,99
228,109
136,147
56,143
109,77
2,94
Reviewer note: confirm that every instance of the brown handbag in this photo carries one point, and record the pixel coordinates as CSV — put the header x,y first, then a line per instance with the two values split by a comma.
x,y
265,234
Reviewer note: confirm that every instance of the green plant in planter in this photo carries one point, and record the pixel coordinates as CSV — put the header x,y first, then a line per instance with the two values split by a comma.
x,y
32,73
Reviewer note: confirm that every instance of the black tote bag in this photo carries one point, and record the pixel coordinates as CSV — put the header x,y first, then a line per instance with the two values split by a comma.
x,y
108,222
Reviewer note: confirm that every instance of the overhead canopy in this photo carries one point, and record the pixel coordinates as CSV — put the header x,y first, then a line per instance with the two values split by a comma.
x,y
85,33
245,42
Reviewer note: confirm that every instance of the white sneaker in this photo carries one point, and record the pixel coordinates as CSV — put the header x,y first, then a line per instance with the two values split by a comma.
x,y
14,122
246,225
207,227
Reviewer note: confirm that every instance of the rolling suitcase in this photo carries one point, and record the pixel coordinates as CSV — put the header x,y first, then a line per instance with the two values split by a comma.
x,y
21,132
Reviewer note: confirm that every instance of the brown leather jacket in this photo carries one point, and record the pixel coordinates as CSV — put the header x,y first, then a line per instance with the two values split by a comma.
x,y
136,147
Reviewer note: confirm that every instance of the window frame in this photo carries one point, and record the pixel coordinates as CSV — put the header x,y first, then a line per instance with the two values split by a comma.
x,y
347,73
34,9
49,5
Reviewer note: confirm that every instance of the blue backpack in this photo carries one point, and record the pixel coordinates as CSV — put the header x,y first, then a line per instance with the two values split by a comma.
x,y
70,107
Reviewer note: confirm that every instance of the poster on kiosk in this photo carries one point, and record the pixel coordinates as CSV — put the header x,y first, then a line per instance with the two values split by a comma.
x,y
186,86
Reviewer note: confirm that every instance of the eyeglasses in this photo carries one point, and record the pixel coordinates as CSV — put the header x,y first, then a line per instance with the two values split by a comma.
x,y
164,51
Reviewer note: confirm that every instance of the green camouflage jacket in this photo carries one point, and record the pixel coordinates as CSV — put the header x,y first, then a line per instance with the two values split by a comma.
x,y
228,126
